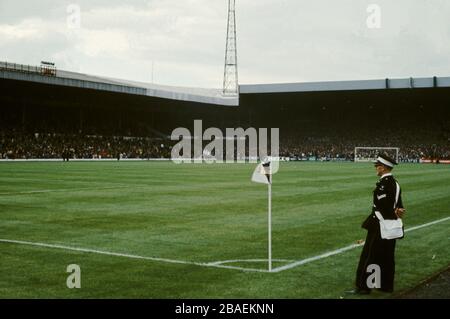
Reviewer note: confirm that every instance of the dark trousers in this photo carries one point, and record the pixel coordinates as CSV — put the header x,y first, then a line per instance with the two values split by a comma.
x,y
380,252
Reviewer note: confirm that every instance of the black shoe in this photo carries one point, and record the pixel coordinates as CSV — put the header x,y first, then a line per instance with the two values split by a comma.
x,y
388,291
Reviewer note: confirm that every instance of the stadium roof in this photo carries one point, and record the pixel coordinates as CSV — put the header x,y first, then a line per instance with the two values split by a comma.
x,y
65,78
384,84
210,96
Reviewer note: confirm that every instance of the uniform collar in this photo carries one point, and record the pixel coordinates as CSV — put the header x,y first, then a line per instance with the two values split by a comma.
x,y
385,175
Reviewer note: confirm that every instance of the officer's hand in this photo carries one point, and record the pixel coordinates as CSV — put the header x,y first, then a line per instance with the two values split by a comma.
x,y
400,212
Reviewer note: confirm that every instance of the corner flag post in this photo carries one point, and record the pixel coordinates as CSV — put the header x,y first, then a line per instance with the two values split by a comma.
x,y
270,224
263,175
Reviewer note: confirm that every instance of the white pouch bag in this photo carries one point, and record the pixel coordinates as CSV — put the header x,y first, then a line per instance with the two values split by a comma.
x,y
391,228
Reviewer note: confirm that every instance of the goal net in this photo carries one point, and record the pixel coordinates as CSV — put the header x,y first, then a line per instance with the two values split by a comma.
x,y
369,154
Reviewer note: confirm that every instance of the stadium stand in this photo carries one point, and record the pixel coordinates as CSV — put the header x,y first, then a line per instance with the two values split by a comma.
x,y
414,145
319,121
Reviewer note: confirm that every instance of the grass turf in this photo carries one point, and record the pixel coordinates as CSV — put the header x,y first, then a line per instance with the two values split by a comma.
x,y
205,213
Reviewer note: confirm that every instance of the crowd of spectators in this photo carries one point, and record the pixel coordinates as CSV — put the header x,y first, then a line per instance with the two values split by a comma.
x,y
319,145
413,145
15,145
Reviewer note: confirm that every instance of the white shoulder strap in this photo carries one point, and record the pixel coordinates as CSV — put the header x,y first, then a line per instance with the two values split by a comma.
x,y
379,216
397,194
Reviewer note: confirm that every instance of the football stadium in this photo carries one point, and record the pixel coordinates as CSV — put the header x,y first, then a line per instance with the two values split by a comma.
x,y
87,179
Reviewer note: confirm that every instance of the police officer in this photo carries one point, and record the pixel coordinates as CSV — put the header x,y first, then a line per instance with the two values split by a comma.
x,y
378,251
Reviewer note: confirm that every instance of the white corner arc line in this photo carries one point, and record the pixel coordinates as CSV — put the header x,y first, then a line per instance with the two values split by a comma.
x,y
341,250
221,262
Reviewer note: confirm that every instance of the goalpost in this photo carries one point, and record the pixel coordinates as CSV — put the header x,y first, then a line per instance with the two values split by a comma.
x,y
368,154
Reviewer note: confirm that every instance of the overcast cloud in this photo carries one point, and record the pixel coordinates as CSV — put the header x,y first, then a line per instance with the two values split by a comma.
x,y
184,40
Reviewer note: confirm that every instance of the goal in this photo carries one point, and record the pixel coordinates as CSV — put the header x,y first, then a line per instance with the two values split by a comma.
x,y
368,154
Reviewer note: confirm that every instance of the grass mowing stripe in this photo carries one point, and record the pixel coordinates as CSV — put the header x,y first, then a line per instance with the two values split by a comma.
x,y
61,190
217,264
205,214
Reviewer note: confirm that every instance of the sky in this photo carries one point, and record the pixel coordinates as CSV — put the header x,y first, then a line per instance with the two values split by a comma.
x,y
182,42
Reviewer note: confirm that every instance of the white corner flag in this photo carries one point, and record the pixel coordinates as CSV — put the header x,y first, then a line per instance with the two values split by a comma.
x,y
263,175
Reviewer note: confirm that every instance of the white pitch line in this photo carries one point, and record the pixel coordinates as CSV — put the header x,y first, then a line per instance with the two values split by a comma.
x,y
109,253
427,224
218,264
341,250
311,259
87,250
235,267
221,262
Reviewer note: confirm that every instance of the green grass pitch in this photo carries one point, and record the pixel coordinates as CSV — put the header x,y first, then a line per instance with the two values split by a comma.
x,y
205,213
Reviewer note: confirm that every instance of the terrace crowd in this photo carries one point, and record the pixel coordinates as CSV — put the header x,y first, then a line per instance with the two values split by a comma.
x,y
326,145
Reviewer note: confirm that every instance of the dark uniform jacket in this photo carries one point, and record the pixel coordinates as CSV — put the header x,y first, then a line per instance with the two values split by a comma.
x,y
384,196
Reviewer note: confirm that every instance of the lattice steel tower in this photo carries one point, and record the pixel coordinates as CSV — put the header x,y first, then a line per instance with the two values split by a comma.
x,y
230,78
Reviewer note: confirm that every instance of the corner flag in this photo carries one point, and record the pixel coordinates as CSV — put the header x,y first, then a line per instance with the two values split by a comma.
x,y
263,175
